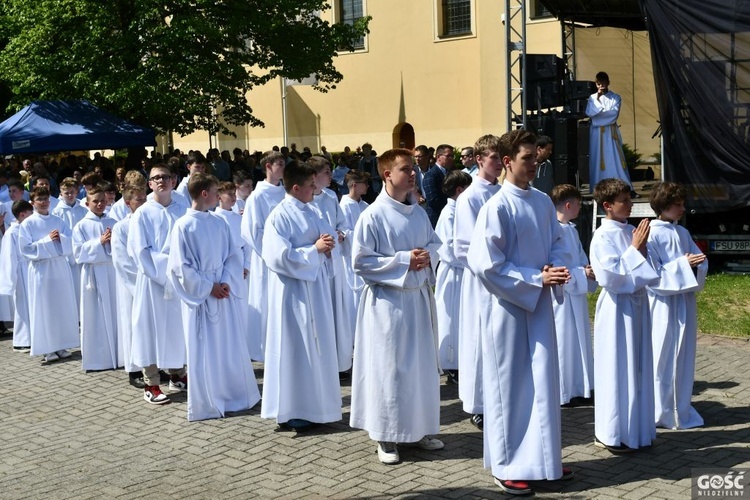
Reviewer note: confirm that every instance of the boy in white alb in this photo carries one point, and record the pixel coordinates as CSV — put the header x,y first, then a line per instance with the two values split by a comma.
x,y
72,212
396,377
449,274
475,300
45,241
572,323
158,339
623,371
225,211
243,184
514,252
344,313
352,205
93,251
301,384
14,278
266,195
682,269
203,272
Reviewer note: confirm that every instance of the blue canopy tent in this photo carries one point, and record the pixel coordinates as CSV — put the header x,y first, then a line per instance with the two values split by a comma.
x,y
46,126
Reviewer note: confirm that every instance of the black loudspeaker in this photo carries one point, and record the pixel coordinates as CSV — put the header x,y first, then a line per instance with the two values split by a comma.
x,y
584,128
565,152
580,89
544,67
544,95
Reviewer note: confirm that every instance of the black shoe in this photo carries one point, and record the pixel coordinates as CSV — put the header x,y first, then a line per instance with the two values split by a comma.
x,y
345,375
634,195
477,420
615,450
298,425
136,380
451,377
164,378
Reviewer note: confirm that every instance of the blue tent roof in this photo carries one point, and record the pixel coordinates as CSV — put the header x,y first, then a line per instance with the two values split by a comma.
x,y
46,126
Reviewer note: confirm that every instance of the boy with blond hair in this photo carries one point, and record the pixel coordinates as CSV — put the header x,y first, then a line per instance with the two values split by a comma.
x,y
396,377
623,372
120,210
93,252
203,272
572,323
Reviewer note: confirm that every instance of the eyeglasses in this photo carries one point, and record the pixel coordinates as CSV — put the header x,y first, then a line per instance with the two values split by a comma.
x,y
161,177
465,156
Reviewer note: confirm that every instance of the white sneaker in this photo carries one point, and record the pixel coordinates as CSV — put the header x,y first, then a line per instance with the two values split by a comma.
x,y
62,354
388,453
427,443
51,357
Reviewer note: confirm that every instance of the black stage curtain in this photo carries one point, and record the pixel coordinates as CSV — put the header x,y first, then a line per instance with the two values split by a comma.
x,y
701,59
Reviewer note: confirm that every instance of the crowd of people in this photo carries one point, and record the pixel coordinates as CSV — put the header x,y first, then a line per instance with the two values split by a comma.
x,y
389,269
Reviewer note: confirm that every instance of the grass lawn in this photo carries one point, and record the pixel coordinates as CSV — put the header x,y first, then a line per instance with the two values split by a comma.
x,y
723,305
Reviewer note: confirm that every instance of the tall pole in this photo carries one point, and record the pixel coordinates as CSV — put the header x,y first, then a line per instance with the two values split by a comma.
x,y
284,122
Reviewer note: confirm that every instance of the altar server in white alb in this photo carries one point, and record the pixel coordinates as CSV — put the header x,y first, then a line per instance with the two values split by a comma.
x,y
92,250
606,157
203,272
72,211
14,277
158,340
301,382
266,195
475,300
396,376
623,370
45,240
225,212
572,323
6,299
344,313
515,252
449,273
126,271
352,205
682,271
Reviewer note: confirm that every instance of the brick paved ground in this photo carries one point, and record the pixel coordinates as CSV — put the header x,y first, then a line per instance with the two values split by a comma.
x,y
69,434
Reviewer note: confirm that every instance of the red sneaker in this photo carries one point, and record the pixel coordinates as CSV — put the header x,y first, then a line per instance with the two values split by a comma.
x,y
514,487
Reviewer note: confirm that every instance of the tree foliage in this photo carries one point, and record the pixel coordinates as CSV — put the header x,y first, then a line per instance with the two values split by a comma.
x,y
171,64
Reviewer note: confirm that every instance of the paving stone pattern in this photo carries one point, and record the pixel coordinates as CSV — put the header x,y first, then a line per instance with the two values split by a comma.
x,y
69,434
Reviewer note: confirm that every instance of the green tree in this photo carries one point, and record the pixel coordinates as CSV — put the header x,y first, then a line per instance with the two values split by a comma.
x,y
170,64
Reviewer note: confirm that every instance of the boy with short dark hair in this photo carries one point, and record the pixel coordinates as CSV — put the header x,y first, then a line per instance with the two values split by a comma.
x,y
449,274
352,205
682,269
301,383
396,377
45,241
243,183
14,277
515,253
158,340
203,272
572,324
16,192
623,372
93,252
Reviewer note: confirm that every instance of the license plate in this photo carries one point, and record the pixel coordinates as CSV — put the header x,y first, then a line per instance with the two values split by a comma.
x,y
730,245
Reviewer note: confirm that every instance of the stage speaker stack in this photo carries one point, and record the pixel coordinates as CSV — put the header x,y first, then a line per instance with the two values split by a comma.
x,y
545,76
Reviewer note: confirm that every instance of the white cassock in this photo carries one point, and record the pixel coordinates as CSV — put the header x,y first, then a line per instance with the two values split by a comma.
x,y
606,158
258,206
7,211
72,215
6,299
119,210
14,283
475,302
239,206
352,210
126,271
157,336
623,371
396,376
572,323
219,369
448,289
99,343
301,378
344,313
674,327
239,293
515,236
52,304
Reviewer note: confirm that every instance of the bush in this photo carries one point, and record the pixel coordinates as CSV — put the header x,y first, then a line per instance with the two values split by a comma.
x,y
632,157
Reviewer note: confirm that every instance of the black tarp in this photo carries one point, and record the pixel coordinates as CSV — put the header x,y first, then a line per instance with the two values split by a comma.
x,y
701,59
